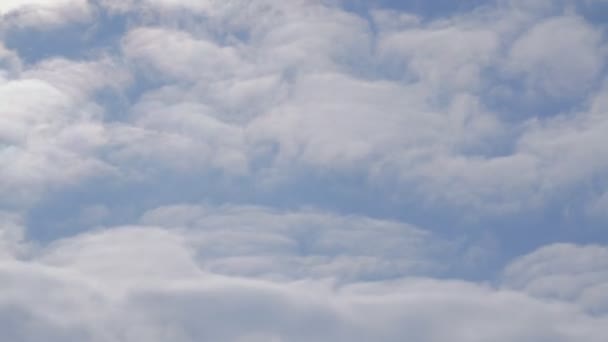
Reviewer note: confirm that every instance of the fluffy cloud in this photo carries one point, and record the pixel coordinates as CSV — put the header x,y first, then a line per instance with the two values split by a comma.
x,y
560,57
50,127
305,113
396,99
188,58
405,105
43,13
564,271
133,283
447,57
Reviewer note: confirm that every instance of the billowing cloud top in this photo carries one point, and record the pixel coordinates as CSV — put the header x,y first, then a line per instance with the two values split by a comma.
x,y
305,170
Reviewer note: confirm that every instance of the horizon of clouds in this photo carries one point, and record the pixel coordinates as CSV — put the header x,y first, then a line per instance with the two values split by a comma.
x,y
304,170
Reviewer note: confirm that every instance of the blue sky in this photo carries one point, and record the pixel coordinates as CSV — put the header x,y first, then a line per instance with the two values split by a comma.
x,y
194,170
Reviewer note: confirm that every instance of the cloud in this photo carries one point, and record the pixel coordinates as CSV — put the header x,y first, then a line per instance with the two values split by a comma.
x,y
560,57
43,13
363,172
273,87
12,234
51,141
563,271
404,105
447,57
241,240
131,283
427,125
188,58
9,61
134,5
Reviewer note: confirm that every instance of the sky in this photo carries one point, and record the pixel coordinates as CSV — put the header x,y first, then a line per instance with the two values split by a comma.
x,y
303,170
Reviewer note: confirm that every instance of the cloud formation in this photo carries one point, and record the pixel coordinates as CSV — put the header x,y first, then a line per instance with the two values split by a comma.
x,y
133,283
303,170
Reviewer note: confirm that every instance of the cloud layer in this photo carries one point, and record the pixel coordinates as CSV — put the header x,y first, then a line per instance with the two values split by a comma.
x,y
303,170
146,282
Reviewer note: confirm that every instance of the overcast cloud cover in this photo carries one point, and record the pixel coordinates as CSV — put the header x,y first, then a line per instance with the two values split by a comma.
x,y
303,170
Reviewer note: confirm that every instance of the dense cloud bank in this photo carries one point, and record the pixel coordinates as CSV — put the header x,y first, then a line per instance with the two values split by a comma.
x,y
189,170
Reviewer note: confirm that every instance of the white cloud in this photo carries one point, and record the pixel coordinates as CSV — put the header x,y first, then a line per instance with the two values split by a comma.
x,y
320,87
448,58
50,128
181,136
560,57
153,255
259,241
301,92
13,5
269,90
177,54
134,283
390,20
122,6
276,76
42,13
10,64
12,233
564,271
571,147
